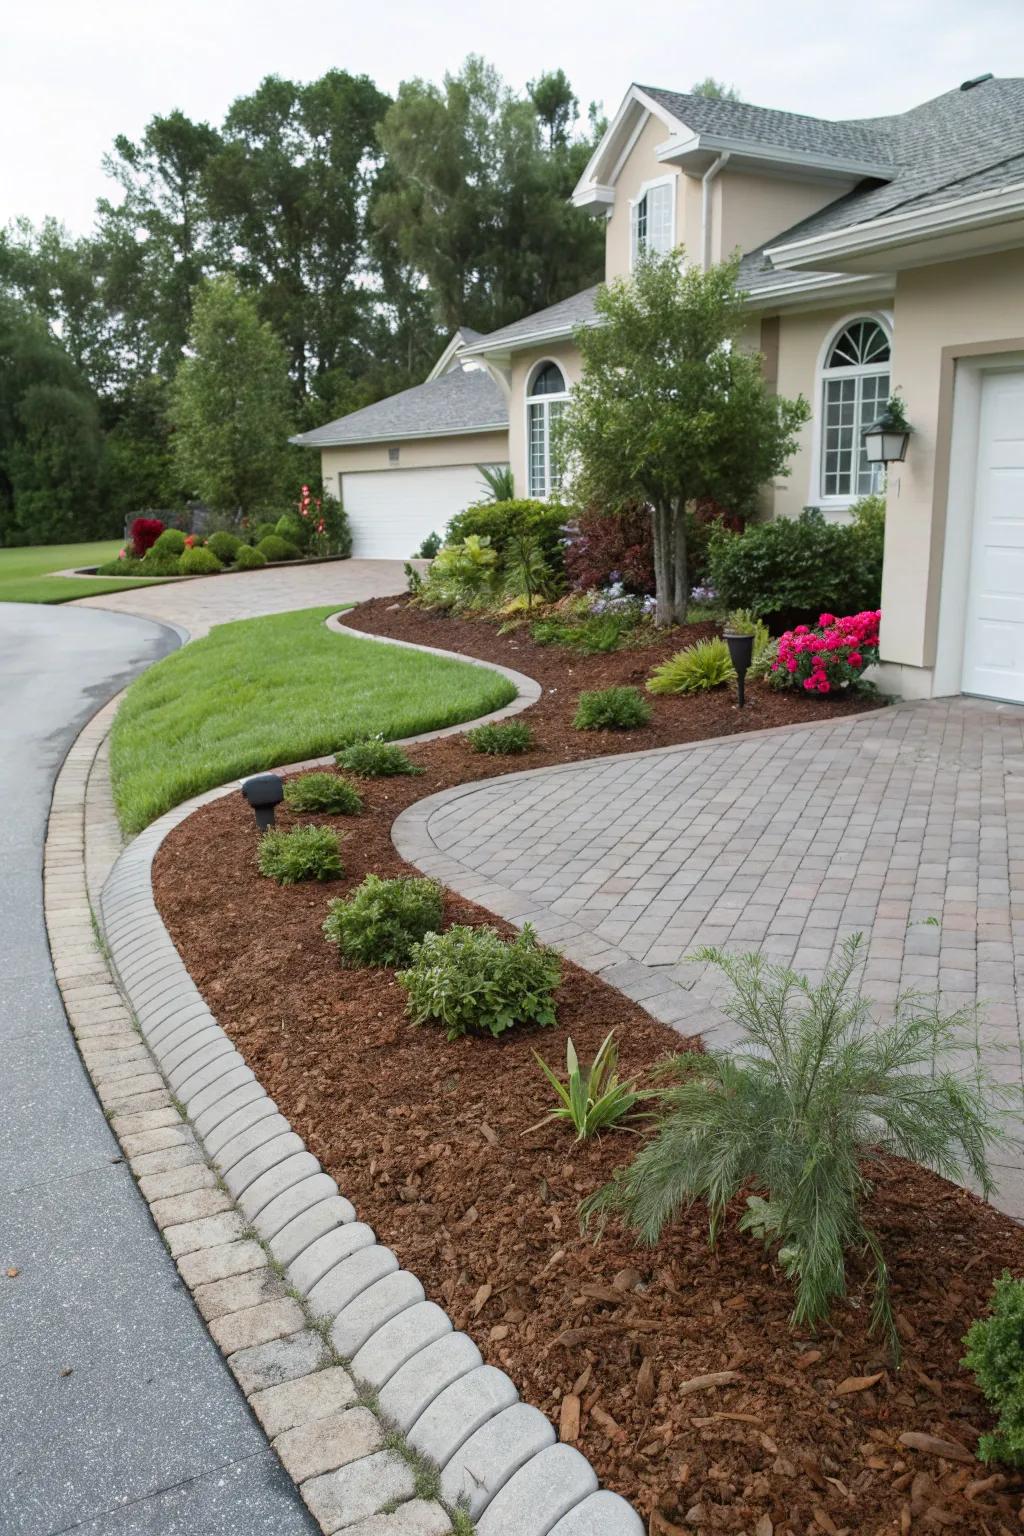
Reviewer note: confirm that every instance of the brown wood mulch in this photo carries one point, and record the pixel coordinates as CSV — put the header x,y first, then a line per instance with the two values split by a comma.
x,y
433,1143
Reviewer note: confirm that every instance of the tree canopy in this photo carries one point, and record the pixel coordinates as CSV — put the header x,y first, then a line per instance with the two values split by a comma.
x,y
671,408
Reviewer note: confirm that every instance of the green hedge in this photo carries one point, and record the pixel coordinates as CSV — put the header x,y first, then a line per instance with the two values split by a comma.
x,y
500,520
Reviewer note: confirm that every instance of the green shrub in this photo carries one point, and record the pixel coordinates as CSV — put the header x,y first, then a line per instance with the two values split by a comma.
x,y
304,853
472,980
462,576
264,531
375,759
611,709
198,561
382,922
273,547
249,559
501,521
327,792
503,740
812,1091
170,542
995,1353
160,562
295,530
224,545
695,668
592,1099
429,548
801,566
129,566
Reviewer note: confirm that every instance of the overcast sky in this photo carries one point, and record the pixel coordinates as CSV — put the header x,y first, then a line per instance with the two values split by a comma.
x,y
73,75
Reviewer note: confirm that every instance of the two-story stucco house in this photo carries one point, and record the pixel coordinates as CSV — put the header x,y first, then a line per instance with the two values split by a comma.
x,y
878,254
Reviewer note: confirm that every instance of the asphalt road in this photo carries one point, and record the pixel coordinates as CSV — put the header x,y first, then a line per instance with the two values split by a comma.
x,y
118,1416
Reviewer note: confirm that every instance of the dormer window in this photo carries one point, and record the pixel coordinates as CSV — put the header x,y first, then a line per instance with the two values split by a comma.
x,y
654,219
545,401
855,387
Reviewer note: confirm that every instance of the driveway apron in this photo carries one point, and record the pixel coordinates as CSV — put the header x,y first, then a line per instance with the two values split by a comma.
x,y
117,1412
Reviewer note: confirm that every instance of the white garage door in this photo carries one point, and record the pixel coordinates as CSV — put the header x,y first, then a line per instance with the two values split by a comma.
x,y
994,640
392,511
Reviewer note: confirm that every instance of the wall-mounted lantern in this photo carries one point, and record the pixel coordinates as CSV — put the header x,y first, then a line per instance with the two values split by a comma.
x,y
885,440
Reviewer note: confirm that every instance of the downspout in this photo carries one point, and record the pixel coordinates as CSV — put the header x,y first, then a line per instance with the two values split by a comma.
x,y
709,176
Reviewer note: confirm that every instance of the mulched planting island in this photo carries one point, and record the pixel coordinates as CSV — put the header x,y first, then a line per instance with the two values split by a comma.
x,y
433,1143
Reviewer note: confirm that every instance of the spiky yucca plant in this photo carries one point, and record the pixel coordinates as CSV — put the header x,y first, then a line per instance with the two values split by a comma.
x,y
814,1091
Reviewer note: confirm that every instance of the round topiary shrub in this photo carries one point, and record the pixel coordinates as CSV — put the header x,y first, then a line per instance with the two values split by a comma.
x,y
170,542
263,531
323,792
160,562
199,562
273,547
224,545
249,559
293,530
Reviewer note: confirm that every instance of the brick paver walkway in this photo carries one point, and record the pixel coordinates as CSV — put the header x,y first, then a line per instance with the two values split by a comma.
x,y
198,605
905,825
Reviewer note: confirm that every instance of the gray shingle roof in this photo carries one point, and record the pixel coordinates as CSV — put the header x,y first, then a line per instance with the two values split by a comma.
x,y
464,400
784,130
578,309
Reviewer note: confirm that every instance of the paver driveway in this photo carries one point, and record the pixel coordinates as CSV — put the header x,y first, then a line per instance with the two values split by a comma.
x,y
906,825
197,605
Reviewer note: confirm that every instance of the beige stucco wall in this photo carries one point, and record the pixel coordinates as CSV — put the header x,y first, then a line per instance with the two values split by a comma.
x,y
414,453
747,210
954,305
566,355
642,166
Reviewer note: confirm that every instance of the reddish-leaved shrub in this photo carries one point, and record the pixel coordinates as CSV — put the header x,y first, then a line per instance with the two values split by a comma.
x,y
830,657
608,547
144,533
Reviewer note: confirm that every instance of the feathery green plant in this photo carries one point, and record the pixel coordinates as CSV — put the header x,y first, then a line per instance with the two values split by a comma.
x,y
611,709
705,664
814,1090
592,1098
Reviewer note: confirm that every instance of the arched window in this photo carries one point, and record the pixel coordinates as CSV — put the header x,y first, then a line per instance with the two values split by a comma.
x,y
545,402
855,388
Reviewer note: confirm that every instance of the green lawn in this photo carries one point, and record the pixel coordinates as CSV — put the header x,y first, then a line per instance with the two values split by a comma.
x,y
25,573
262,692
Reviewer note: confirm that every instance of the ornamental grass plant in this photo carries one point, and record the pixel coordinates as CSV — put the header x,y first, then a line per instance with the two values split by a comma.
x,y
812,1094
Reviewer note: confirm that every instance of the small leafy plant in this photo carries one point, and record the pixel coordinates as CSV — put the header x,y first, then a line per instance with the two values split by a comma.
x,y
472,981
304,853
383,920
611,709
592,1099
375,759
429,548
327,792
995,1353
812,1092
501,740
742,621
694,669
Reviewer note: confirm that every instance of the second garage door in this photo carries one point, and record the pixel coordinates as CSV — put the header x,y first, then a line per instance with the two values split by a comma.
x,y
994,648
391,512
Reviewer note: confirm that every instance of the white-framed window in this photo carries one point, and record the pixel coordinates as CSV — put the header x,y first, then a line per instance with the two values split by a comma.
x,y
546,399
855,385
653,219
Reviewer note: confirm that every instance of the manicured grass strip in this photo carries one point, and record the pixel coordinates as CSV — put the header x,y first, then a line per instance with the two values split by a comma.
x,y
25,573
262,692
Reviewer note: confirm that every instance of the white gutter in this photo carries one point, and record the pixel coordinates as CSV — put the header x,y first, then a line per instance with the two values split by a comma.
x,y
710,175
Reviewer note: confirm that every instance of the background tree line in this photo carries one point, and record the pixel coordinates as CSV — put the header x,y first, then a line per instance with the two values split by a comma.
x,y
342,235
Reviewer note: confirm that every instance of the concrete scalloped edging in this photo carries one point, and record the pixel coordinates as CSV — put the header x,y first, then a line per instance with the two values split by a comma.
x,y
218,1165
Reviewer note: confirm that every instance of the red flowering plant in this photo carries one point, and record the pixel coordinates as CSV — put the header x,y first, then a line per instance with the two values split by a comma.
x,y
830,658
144,533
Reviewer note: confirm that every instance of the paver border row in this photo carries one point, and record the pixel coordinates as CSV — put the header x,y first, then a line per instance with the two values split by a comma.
x,y
298,1294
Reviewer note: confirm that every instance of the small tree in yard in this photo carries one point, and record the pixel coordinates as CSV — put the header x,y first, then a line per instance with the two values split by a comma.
x,y
232,404
670,410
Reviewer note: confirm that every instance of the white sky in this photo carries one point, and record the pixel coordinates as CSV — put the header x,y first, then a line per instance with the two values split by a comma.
x,y
74,74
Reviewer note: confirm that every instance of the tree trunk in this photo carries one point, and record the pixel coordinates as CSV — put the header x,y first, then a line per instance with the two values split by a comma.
x,y
681,575
663,586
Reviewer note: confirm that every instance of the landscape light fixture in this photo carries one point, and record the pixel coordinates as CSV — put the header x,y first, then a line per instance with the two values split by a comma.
x,y
741,654
264,791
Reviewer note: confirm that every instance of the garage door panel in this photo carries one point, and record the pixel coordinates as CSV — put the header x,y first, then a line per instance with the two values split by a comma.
x,y
391,512
994,639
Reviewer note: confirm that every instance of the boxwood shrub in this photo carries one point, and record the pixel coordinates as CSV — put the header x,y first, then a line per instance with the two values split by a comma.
x,y
198,562
225,545
472,981
249,559
171,541
327,792
382,922
273,547
304,853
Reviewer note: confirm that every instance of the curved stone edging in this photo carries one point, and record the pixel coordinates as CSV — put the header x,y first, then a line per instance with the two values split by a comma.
x,y
191,1115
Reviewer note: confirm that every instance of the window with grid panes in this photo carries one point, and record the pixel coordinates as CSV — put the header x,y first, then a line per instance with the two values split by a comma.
x,y
544,404
652,222
855,388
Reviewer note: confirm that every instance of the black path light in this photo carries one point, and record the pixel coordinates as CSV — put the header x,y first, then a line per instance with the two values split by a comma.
x,y
740,632
885,440
264,791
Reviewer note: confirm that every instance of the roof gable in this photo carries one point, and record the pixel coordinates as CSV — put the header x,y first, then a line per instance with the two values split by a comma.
x,y
462,401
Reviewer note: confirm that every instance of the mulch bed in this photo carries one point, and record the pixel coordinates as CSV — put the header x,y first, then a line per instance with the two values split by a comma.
x,y
433,1143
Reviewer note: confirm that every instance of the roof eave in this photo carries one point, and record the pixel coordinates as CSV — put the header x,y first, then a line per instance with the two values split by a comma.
x,y
850,248
696,151
303,439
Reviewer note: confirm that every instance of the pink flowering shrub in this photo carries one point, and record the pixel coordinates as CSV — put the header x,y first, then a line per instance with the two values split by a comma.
x,y
830,658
